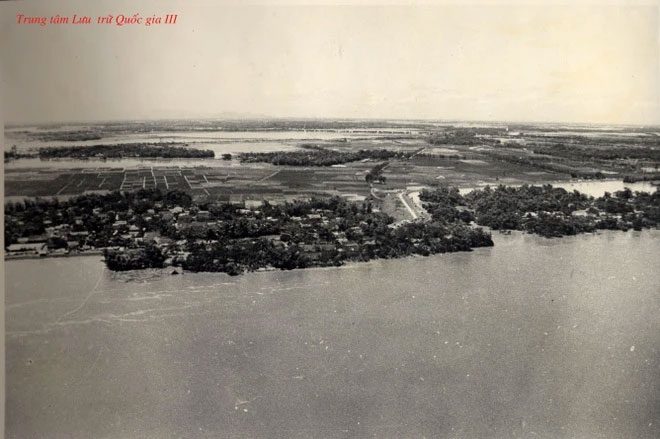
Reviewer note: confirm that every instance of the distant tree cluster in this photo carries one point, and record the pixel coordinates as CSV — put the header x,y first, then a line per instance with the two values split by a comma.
x,y
651,176
66,136
318,156
608,152
145,150
465,136
14,154
375,174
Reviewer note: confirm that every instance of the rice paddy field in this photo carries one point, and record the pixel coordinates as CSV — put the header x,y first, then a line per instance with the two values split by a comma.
x,y
493,155
264,180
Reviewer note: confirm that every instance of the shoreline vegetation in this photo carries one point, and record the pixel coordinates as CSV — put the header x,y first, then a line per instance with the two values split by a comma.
x,y
545,210
13,154
159,150
154,229
314,155
126,150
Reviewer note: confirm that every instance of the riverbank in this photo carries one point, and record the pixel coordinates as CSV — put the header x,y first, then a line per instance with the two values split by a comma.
x,y
159,150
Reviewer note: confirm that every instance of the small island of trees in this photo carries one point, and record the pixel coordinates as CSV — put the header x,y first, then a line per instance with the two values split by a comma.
x,y
14,154
142,150
312,155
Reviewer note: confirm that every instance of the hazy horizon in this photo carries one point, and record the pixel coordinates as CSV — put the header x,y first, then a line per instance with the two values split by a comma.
x,y
561,64
9,124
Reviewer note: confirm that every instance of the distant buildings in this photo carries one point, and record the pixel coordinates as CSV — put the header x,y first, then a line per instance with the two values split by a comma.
x,y
28,249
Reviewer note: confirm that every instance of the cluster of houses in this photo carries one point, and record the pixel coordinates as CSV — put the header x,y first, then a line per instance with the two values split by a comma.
x,y
317,234
57,240
27,249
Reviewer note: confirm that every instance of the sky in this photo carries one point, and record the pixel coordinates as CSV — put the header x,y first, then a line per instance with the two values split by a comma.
x,y
516,62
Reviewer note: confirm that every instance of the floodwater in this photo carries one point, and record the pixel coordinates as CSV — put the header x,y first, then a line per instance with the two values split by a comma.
x,y
218,149
69,164
530,338
206,138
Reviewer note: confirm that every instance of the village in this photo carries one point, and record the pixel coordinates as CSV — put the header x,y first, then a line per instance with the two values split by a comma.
x,y
152,229
131,230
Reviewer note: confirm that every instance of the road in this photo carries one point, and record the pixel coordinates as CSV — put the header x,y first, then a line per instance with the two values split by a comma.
x,y
407,206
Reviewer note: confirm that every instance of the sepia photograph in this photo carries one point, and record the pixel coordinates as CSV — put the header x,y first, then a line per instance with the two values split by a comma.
x,y
348,219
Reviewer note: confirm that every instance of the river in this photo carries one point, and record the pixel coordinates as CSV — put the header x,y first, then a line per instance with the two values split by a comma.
x,y
530,338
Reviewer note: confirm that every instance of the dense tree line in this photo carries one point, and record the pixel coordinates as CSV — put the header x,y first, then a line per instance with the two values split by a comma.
x,y
320,156
551,212
603,152
465,136
446,204
544,210
13,154
148,150
642,138
650,176
236,256
66,136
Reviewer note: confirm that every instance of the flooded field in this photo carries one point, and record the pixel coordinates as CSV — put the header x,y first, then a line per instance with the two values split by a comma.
x,y
25,140
530,338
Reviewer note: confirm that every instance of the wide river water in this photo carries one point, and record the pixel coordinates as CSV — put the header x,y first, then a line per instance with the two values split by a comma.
x,y
530,338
